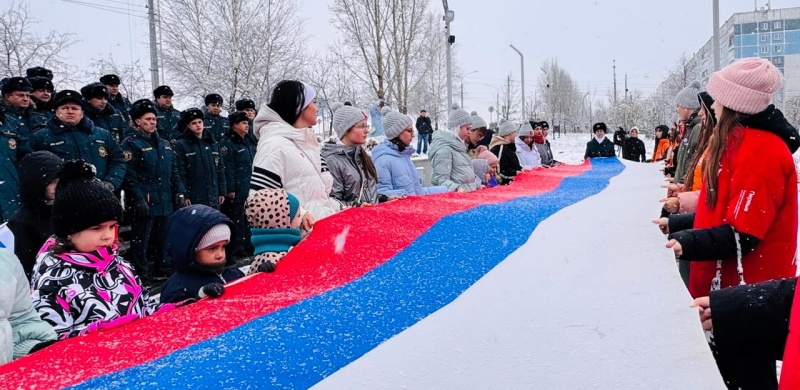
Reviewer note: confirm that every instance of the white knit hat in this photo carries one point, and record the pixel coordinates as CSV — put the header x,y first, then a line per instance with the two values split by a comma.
x,y
507,128
219,232
345,117
458,117
394,123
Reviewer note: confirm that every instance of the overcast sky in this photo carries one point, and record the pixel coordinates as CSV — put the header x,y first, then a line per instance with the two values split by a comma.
x,y
645,37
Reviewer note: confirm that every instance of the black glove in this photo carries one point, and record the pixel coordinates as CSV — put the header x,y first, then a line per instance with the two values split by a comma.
x,y
140,208
213,290
179,198
42,345
110,186
266,266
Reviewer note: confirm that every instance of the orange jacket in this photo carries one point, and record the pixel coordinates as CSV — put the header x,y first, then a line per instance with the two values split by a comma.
x,y
661,150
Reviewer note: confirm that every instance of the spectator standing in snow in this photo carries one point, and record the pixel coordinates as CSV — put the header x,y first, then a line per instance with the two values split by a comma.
x,y
424,131
103,114
687,105
168,117
619,138
115,98
377,118
599,146
504,148
662,144
212,120
248,106
42,96
201,171
288,154
237,149
354,176
448,154
527,153
633,147
397,175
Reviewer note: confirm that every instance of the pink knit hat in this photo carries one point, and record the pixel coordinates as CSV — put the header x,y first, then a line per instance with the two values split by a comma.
x,y
746,86
484,153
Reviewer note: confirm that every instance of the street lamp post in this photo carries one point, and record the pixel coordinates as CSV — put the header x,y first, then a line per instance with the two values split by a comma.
x,y
522,76
449,15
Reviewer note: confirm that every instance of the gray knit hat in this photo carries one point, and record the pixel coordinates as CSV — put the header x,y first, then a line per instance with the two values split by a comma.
x,y
507,128
477,121
394,122
526,130
345,117
687,97
458,117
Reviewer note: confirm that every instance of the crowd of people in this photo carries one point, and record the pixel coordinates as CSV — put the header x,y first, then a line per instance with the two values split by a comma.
x,y
201,190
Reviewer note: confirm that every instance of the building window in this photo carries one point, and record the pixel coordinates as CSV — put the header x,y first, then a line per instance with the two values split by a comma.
x,y
776,24
777,49
777,37
777,61
765,26
764,37
764,50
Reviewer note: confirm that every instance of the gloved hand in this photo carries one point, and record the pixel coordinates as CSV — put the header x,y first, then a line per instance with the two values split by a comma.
x,y
140,208
109,185
213,290
266,266
179,198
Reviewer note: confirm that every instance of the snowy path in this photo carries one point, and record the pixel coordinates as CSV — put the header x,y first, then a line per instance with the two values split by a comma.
x,y
592,300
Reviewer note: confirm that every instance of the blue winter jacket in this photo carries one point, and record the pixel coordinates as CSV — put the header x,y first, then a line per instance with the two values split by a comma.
x,y
397,174
152,172
186,228
201,171
110,119
377,121
168,118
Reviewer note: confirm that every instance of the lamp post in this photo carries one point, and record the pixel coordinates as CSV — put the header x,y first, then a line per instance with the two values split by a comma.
x,y
449,16
462,86
522,76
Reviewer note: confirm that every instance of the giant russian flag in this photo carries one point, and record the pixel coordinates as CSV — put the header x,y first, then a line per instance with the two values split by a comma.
x,y
556,281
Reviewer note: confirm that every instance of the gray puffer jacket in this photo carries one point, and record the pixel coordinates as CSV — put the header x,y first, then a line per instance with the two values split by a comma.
x,y
450,163
348,174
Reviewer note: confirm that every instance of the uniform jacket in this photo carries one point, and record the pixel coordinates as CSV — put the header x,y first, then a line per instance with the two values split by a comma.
x,y
11,147
78,293
121,104
756,195
289,158
190,276
83,141
43,109
20,325
167,118
595,149
450,163
217,125
110,119
528,156
152,173
633,150
351,185
397,174
201,171
237,153
25,121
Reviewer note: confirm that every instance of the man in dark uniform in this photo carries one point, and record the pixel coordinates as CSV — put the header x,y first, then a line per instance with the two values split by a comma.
x,y
168,117
16,104
151,184
249,108
200,168
237,149
10,153
599,146
120,103
42,96
70,135
102,113
214,123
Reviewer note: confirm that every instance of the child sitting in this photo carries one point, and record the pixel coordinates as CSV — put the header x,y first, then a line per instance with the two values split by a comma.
x,y
199,236
79,283
275,221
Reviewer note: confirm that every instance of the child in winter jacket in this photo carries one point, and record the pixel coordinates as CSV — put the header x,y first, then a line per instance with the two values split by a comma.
x,y
275,222
486,166
17,313
80,283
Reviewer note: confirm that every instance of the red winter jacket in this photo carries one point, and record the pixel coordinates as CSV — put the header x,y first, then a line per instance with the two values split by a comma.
x,y
757,195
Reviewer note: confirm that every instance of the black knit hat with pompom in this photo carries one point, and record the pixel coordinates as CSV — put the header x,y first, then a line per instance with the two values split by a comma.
x,y
81,200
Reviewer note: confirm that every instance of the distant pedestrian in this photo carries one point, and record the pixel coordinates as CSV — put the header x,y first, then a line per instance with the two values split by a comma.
x,y
633,148
424,131
599,146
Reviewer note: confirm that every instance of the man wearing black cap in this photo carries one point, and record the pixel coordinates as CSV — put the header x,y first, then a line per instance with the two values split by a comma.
x,y
38,71
212,121
237,149
70,135
200,167
151,183
166,114
104,115
120,103
42,95
249,108
599,146
16,104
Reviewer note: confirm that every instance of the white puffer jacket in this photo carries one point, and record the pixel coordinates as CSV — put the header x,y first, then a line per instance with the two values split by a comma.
x,y
529,157
289,158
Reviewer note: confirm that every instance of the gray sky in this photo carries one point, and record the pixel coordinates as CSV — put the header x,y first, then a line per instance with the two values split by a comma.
x,y
645,37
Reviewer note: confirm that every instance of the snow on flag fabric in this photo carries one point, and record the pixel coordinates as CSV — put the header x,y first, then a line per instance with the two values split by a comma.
x,y
364,276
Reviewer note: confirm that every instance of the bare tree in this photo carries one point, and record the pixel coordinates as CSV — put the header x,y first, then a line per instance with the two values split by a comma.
x,y
680,75
135,84
509,101
237,48
431,94
21,47
561,95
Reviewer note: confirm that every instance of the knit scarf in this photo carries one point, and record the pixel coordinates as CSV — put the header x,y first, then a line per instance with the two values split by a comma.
x,y
274,239
539,139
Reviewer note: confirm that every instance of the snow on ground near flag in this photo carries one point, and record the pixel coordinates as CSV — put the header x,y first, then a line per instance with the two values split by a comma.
x,y
348,296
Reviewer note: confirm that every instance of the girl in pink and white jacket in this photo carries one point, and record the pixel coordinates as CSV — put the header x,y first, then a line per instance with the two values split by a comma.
x,y
80,283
